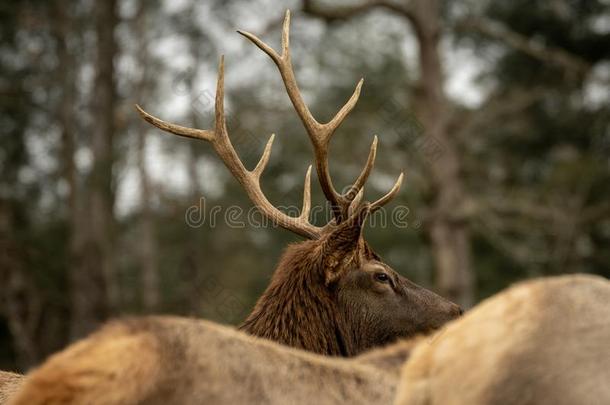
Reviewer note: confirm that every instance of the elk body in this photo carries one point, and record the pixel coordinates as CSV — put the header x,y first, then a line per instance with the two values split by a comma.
x,y
170,360
545,342
9,384
540,342
330,294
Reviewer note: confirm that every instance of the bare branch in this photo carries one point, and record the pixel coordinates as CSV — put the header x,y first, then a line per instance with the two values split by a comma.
x,y
346,12
545,53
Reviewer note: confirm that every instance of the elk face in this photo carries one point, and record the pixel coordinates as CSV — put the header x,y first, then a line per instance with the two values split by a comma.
x,y
378,306
375,304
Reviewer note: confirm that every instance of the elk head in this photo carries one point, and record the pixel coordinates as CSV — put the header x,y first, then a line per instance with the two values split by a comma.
x,y
330,294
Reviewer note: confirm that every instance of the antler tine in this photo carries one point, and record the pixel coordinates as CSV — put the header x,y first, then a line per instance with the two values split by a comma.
x,y
306,196
220,126
176,129
286,35
284,64
355,202
263,46
249,179
318,133
346,109
391,194
353,191
262,163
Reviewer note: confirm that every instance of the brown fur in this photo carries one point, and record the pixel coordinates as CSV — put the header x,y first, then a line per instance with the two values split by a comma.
x,y
302,306
9,384
296,309
541,342
169,360
116,355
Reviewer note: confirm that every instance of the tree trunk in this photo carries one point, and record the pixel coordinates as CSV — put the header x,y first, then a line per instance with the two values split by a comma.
x,y
194,263
93,282
149,272
20,300
448,232
448,229
148,246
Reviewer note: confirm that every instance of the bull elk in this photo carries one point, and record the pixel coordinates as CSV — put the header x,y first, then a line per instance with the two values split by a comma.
x,y
330,294
540,342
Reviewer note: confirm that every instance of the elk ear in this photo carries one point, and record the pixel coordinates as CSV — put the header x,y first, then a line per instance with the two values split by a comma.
x,y
341,246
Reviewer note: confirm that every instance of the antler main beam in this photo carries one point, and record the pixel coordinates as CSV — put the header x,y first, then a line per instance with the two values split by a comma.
x,y
249,179
319,133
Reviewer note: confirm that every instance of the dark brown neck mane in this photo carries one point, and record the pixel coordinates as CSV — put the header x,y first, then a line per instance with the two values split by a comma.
x,y
296,309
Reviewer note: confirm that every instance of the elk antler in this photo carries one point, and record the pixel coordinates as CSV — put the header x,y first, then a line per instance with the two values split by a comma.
x,y
319,133
249,179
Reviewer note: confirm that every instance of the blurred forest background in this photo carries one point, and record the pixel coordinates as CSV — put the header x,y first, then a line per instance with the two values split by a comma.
x,y
497,111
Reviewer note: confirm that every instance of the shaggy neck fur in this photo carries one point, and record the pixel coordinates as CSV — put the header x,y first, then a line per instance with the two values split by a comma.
x,y
297,309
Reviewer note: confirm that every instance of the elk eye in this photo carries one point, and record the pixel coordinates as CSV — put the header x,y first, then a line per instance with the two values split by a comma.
x,y
382,277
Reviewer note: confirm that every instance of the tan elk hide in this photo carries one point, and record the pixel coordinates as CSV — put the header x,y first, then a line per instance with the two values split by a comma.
x,y
545,342
510,350
330,294
9,384
171,360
